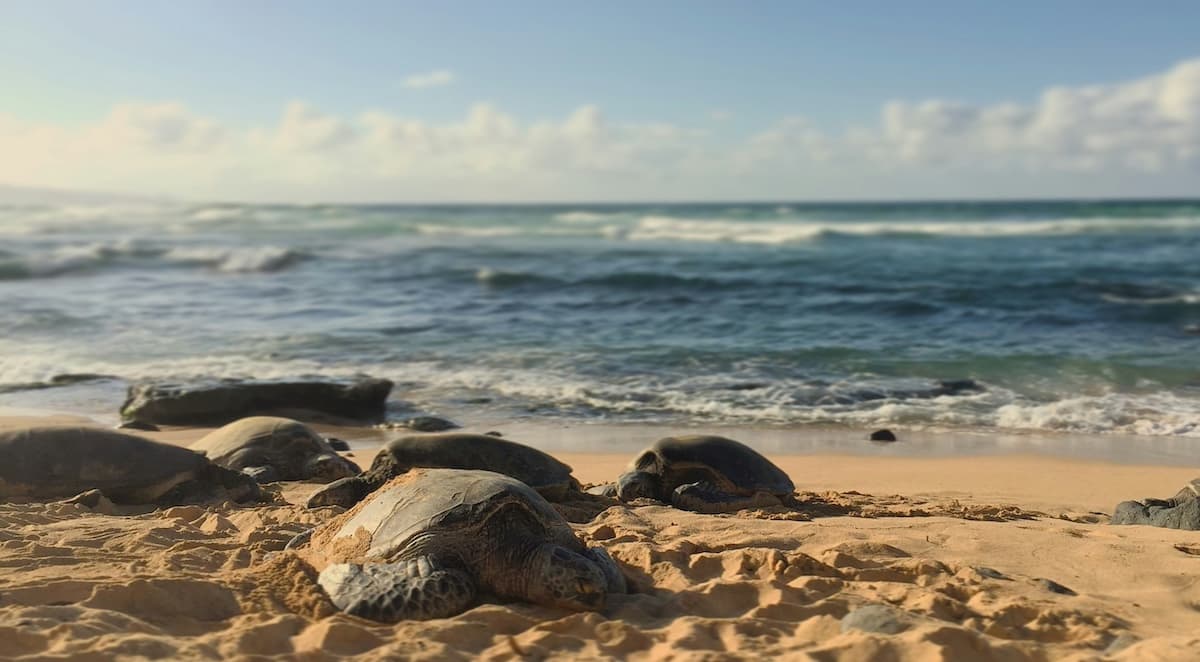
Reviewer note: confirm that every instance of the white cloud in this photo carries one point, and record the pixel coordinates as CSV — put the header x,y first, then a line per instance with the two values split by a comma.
x,y
1133,137
430,79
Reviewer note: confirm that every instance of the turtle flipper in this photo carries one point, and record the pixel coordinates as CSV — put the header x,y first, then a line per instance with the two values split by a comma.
x,y
612,572
262,474
344,492
419,589
707,498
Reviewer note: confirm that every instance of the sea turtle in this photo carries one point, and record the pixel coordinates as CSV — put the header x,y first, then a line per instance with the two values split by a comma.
x,y
270,449
48,462
1181,511
707,474
455,450
427,543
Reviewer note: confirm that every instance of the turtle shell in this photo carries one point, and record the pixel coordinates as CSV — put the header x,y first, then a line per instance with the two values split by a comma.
x,y
281,442
458,450
729,464
62,461
444,502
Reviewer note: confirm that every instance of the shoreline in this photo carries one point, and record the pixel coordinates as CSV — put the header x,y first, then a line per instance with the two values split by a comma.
x,y
590,436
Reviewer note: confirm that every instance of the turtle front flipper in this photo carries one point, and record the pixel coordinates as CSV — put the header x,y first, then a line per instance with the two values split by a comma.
x,y
418,589
344,492
708,498
262,474
213,483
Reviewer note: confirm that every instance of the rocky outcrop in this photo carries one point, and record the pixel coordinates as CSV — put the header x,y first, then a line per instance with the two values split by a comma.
x,y
220,402
1181,511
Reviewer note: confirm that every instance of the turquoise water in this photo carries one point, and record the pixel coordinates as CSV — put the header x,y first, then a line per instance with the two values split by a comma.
x,y
1080,317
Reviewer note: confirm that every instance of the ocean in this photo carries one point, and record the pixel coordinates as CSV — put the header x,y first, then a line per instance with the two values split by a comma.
x,y
1079,317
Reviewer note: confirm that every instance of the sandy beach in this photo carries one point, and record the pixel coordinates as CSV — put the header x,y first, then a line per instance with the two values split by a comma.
x,y
1005,556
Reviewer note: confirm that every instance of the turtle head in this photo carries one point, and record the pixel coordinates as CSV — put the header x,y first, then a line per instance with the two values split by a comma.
x,y
326,467
344,492
638,485
212,483
565,579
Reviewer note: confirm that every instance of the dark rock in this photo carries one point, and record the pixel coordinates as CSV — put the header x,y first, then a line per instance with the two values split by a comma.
x,y
430,424
747,386
217,403
1055,587
883,435
337,444
880,619
938,389
1181,511
956,387
138,425
66,379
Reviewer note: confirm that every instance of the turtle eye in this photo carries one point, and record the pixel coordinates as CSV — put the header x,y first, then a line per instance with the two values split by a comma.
x,y
582,586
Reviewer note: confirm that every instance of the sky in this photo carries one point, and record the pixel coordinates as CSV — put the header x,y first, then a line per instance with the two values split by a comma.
x,y
617,101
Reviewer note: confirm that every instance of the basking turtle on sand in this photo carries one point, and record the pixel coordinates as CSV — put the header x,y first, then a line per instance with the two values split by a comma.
x,y
50,462
1181,511
455,450
270,449
427,543
705,474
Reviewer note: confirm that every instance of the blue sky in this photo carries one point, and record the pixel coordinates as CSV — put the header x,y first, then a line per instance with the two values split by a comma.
x,y
721,75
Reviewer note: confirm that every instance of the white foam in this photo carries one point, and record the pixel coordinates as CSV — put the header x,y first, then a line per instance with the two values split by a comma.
x,y
235,260
588,217
1185,297
217,214
659,228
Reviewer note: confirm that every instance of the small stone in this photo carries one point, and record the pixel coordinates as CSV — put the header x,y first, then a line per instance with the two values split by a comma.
x,y
1055,587
494,433
430,424
883,435
881,619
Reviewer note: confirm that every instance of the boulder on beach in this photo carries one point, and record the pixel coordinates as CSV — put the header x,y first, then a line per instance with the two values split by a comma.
x,y
221,402
1181,511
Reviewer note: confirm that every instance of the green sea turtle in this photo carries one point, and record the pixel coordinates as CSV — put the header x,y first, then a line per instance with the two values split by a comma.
x,y
428,543
49,462
455,450
705,474
270,449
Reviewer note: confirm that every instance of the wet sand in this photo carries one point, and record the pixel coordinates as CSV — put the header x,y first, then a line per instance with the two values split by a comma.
x,y
965,557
